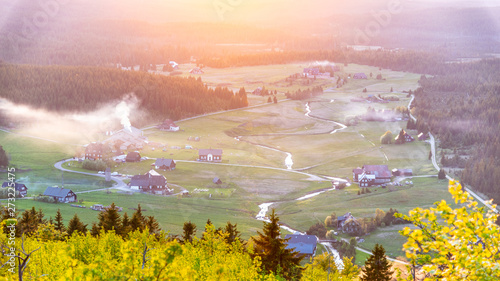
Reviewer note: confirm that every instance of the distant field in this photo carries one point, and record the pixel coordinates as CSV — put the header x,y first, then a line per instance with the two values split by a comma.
x,y
282,127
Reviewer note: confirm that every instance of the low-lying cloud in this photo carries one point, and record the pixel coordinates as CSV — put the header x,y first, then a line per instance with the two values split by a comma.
x,y
72,128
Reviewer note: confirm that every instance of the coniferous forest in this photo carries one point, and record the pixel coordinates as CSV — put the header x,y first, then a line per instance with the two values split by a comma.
x,y
462,107
81,89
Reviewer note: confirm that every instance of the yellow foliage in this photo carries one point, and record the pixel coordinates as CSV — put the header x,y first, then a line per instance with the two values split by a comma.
x,y
455,244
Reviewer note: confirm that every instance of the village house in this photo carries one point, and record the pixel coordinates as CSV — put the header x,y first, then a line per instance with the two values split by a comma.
x,y
305,245
150,182
216,180
168,125
133,156
348,223
359,76
351,225
407,137
19,187
95,151
210,155
60,194
371,175
164,164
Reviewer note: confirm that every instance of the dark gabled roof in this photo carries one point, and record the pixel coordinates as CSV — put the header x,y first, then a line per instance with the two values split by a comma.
x,y
216,180
17,186
157,180
380,171
357,171
304,244
139,180
56,191
148,180
162,161
210,151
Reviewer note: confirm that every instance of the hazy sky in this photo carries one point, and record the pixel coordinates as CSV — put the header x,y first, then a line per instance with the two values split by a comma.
x,y
225,10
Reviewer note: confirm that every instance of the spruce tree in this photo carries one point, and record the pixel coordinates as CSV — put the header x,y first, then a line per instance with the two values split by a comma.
x,y
110,219
75,225
28,223
189,230
377,267
138,220
232,233
270,247
125,225
152,225
58,224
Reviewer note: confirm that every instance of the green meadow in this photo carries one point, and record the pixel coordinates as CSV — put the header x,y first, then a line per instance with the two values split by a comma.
x,y
253,169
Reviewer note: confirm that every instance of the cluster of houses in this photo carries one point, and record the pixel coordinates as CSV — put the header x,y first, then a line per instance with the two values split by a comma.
x,y
127,139
371,175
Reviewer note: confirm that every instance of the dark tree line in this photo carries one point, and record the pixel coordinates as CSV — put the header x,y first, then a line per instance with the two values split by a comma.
x,y
62,88
462,107
30,221
305,94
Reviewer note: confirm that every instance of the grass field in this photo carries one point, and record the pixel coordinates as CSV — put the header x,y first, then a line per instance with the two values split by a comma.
x,y
283,127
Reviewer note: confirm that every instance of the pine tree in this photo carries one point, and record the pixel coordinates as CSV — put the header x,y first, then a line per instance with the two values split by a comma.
x,y
110,219
441,174
138,220
232,233
189,230
125,224
152,225
75,225
29,221
58,224
377,267
270,247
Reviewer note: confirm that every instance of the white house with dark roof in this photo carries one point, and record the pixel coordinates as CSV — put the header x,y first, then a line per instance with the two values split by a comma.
x,y
210,155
